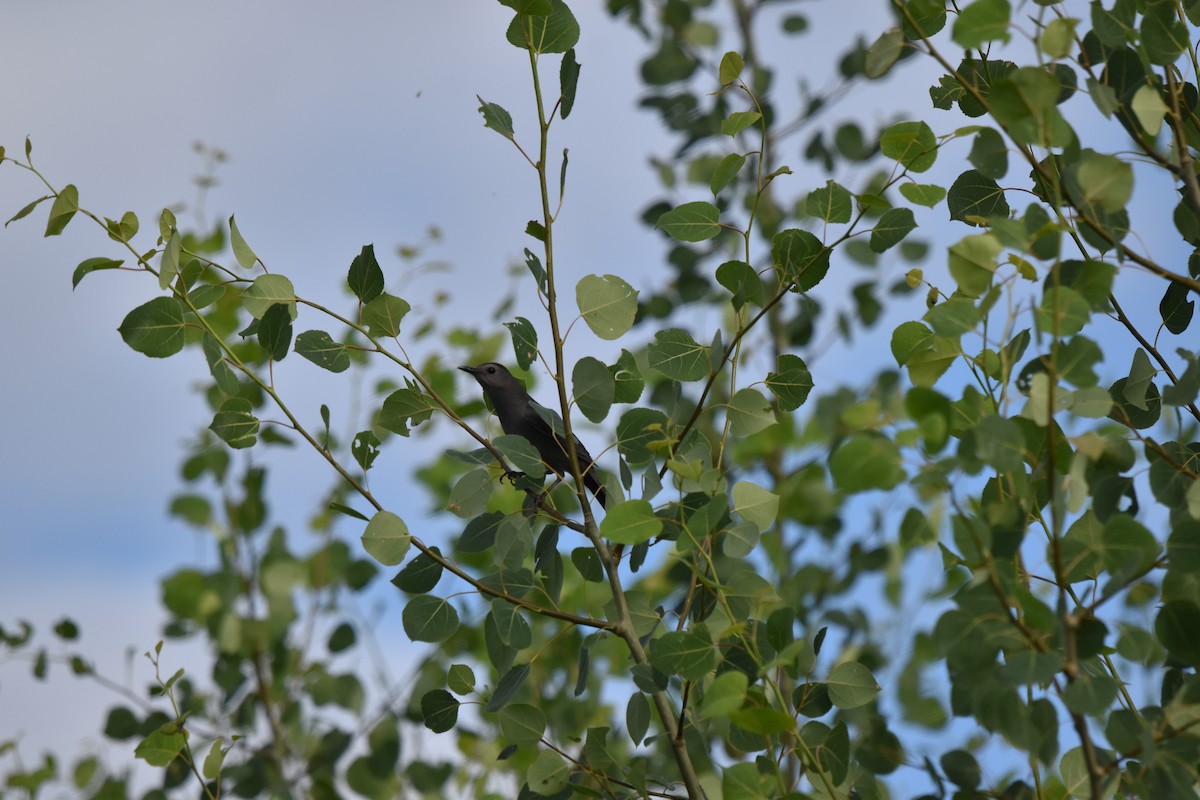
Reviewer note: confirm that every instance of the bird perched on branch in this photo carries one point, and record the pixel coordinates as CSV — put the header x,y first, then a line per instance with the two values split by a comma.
x,y
519,415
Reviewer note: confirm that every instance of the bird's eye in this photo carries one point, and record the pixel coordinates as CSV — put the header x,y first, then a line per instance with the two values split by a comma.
x,y
491,370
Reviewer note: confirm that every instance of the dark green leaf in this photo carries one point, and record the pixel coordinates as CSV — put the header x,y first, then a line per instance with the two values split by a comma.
x,y
830,203
524,341
593,388
974,195
496,118
893,226
420,575
989,154
365,278
1175,308
275,332
507,687
383,314
691,222
429,619
556,32
791,383
800,258
568,79
726,171
742,282
319,348
156,328
28,209
910,143
982,21
439,710
689,654
66,203
235,423
678,356
92,265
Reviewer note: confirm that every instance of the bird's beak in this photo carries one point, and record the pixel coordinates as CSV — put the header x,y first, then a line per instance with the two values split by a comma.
x,y
469,370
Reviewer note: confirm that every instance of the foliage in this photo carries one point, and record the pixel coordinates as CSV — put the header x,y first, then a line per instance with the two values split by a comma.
x,y
725,627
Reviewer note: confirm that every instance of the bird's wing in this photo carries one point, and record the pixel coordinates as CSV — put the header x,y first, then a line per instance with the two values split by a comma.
x,y
550,423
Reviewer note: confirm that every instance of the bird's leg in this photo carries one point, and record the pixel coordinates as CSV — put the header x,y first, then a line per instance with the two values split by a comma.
x,y
512,476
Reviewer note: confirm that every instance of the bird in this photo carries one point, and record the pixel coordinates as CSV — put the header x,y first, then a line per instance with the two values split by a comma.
x,y
518,413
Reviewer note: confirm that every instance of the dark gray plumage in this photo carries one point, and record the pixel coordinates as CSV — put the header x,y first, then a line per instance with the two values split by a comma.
x,y
519,416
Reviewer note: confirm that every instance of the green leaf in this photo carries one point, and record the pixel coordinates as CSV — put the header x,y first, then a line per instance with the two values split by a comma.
x,y
864,461
214,760
689,654
1164,36
593,387
429,619
419,575
1175,308
1187,388
235,424
641,435
534,7
496,118
910,143
982,21
800,258
631,522
275,332
678,356
1149,109
513,629
568,80
608,305
266,291
508,686
402,407
726,171
319,348
524,341
724,695
27,209
156,328
439,710
883,53
1000,443
892,227
556,32
830,203
691,222
975,196
66,203
365,278
386,538
518,451
169,264
923,194
791,383
989,154
1140,376
1099,181
749,412
962,769
1026,103
731,67
522,724
1063,312
549,774
742,282
923,18
383,314
738,121
909,339
755,504
92,265
973,262
241,251
851,685
1176,626
162,746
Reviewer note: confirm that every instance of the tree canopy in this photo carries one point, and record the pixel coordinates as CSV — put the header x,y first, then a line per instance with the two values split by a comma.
x,y
961,569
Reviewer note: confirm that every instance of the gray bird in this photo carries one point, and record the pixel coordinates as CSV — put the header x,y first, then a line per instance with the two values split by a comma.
x,y
518,413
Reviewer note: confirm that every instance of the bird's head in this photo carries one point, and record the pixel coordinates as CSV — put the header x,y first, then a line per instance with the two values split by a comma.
x,y
492,376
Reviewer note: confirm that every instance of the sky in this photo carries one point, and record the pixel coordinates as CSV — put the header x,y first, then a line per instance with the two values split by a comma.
x,y
342,129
